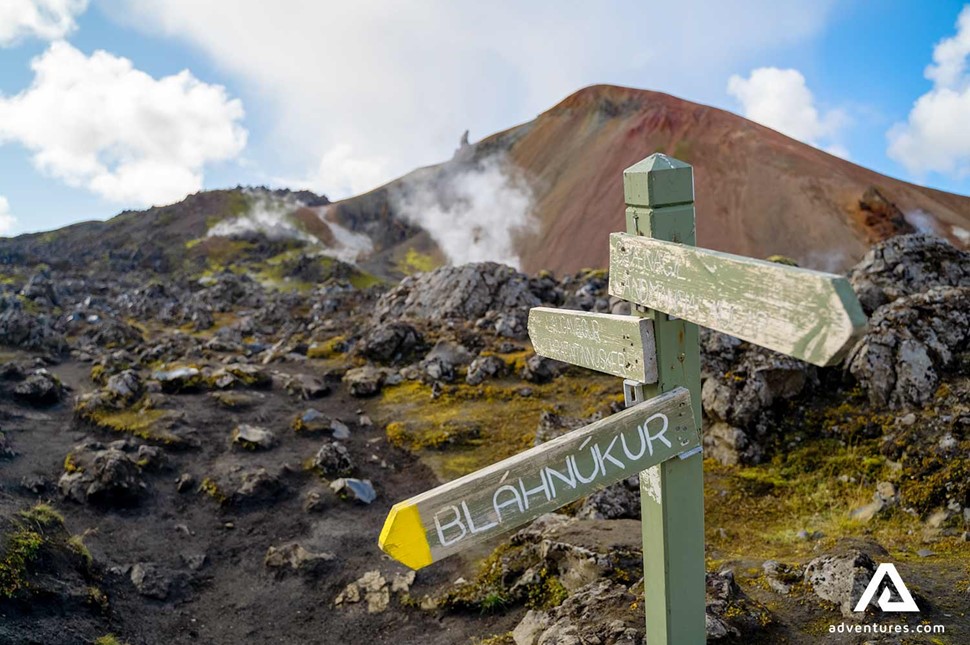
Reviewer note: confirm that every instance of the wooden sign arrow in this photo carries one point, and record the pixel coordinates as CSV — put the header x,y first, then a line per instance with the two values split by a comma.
x,y
811,315
619,345
507,494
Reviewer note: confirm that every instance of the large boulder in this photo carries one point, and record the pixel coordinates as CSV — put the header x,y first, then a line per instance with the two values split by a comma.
x,y
466,292
906,265
910,343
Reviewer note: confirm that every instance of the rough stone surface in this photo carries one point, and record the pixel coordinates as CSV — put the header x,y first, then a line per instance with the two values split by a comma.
x,y
752,384
910,343
483,368
102,475
151,580
40,388
906,265
539,369
364,381
601,612
465,292
620,500
359,490
729,445
295,557
842,575
251,437
333,460
389,343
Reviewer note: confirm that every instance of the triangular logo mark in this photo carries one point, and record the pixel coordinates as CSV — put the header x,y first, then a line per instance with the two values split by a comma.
x,y
905,603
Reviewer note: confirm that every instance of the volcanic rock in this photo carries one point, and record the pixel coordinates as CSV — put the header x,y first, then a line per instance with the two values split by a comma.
x,y
911,342
907,265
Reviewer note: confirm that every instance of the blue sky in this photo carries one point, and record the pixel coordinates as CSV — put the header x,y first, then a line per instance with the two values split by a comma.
x,y
339,97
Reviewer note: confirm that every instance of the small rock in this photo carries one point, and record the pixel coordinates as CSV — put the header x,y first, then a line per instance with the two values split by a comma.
x,y
40,389
360,490
333,460
389,343
253,437
364,381
539,369
181,379
194,562
315,500
371,587
150,580
295,557
484,367
340,429
312,421
925,553
185,481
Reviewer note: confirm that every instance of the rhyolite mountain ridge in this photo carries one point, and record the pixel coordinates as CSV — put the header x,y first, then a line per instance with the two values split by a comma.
x,y
758,193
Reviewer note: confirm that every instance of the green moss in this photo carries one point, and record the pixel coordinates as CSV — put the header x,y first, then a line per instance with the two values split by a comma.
x,y
140,420
70,466
328,348
363,280
76,544
22,548
416,262
498,639
109,639
548,593
459,431
211,488
42,516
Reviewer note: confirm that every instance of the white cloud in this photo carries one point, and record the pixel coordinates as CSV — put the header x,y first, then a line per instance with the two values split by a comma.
x,y
936,137
369,90
7,221
781,100
45,19
97,122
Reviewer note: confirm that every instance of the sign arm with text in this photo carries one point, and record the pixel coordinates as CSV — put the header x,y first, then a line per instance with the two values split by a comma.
x,y
510,493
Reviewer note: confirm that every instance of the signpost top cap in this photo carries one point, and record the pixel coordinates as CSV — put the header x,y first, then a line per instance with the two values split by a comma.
x,y
658,180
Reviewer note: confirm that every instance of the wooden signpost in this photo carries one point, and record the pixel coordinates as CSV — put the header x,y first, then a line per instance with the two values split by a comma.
x,y
507,494
619,345
810,315
674,287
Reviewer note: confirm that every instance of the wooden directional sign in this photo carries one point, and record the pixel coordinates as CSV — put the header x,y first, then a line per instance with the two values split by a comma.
x,y
811,315
476,507
619,345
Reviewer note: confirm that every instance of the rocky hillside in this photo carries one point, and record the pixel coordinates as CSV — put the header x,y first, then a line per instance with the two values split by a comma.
x,y
210,459
545,194
759,192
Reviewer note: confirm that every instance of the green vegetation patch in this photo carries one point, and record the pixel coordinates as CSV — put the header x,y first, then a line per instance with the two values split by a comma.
x,y
30,538
461,431
141,420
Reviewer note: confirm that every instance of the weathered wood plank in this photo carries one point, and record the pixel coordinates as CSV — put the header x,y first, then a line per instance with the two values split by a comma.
x,y
811,315
619,345
478,506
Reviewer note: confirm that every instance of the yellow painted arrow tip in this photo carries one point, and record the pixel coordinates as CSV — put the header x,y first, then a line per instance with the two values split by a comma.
x,y
403,537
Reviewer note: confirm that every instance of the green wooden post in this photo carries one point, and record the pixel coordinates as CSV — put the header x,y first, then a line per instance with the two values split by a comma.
x,y
659,194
